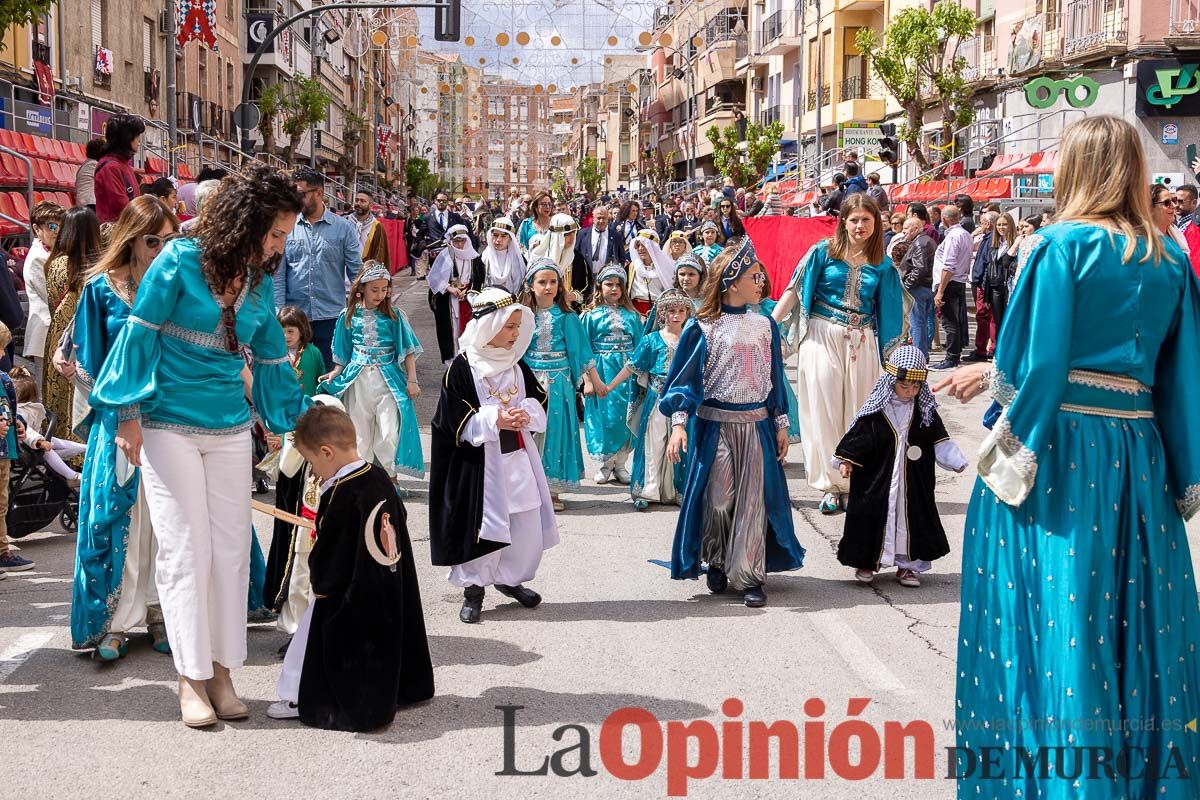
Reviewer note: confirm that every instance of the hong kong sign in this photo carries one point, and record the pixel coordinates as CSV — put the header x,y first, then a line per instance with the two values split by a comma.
x,y
1168,88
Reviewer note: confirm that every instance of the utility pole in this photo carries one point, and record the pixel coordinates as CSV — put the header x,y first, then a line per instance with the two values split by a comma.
x,y
169,66
819,87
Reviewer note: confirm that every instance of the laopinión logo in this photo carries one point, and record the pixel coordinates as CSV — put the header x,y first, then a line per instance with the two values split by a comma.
x,y
852,750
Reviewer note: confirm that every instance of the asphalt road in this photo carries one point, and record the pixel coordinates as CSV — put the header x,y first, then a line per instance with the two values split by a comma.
x,y
614,631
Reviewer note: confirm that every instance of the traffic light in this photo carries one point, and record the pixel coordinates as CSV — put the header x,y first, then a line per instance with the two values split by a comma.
x,y
889,147
447,21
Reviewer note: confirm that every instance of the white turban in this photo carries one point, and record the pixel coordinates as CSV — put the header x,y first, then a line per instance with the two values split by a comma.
x,y
504,267
444,267
554,244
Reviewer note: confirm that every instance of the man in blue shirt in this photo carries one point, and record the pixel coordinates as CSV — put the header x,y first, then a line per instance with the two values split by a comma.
x,y
322,257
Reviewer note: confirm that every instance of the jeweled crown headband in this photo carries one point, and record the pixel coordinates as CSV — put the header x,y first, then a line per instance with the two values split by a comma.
x,y
373,271
539,264
743,259
907,373
613,271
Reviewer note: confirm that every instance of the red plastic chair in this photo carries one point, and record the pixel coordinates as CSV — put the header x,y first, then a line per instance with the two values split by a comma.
x,y
6,208
20,206
65,173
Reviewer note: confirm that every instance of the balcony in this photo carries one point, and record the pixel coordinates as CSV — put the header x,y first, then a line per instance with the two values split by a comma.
x,y
859,101
810,99
980,54
778,34
1183,29
1095,29
1038,45
782,114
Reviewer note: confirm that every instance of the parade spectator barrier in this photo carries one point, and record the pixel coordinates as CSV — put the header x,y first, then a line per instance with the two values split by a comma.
x,y
781,242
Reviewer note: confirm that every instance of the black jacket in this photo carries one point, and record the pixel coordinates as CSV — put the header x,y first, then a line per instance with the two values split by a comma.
x,y
584,243
916,268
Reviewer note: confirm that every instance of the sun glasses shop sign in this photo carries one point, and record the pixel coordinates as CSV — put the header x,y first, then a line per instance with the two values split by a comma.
x,y
1168,88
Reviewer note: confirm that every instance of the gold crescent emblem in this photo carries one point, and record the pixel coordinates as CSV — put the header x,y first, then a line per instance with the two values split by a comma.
x,y
389,554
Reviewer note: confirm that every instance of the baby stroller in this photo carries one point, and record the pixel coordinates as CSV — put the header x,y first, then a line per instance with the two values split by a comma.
x,y
36,494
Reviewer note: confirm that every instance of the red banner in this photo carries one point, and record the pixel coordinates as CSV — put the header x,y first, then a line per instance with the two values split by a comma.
x,y
781,242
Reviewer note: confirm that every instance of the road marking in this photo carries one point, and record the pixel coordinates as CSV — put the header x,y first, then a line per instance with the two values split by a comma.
x,y
49,605
857,655
19,651
49,580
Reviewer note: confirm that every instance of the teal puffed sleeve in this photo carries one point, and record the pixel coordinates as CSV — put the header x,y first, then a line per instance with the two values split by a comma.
x,y
892,306
579,350
1176,387
278,398
407,342
342,347
128,379
1029,381
645,355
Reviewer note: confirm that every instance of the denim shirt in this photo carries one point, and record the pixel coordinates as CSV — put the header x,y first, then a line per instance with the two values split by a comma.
x,y
318,264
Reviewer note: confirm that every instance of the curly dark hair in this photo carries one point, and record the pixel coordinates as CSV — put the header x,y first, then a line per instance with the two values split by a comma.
x,y
236,219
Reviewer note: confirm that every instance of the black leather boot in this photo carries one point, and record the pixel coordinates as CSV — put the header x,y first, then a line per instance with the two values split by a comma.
x,y
472,605
526,597
755,597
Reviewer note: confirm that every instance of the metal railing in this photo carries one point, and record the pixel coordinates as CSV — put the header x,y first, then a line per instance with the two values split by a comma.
x,y
1030,52
810,99
852,88
1094,25
1185,18
979,52
772,27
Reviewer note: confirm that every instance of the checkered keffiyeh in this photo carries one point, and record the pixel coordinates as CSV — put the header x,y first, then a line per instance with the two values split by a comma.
x,y
906,363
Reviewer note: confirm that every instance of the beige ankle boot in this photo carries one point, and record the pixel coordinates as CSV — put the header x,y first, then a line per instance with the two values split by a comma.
x,y
194,705
222,696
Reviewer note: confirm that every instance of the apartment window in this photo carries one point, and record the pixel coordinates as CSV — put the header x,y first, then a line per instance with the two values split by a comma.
x,y
99,34
147,45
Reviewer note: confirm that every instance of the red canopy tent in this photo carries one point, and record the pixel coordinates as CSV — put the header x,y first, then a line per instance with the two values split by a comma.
x,y
781,242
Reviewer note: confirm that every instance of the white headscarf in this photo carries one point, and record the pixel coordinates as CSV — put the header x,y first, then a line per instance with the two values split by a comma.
x,y
663,265
554,243
444,268
493,307
504,267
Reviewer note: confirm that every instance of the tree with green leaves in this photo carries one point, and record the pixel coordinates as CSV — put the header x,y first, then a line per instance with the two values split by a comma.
x,y
22,12
745,167
657,169
558,186
590,175
420,179
918,62
299,104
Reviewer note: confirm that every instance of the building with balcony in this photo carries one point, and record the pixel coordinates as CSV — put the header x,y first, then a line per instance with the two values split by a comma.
x,y
516,139
697,84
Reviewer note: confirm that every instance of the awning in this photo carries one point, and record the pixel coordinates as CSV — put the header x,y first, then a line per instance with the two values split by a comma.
x,y
1040,163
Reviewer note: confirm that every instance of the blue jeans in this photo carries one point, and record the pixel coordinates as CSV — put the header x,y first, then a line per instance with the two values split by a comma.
x,y
921,319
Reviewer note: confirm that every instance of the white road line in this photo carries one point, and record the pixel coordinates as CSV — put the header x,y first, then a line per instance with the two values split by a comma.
x,y
857,655
19,651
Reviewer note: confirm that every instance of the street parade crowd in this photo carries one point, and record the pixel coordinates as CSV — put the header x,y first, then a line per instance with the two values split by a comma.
x,y
263,335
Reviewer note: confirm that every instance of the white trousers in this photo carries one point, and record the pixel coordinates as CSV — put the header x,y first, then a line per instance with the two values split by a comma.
x,y
838,369
371,406
288,687
510,565
299,595
196,489
139,597
658,480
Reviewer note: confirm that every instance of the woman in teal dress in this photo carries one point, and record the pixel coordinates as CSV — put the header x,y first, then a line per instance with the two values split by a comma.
x,y
114,589
561,357
174,378
375,377
1078,596
613,329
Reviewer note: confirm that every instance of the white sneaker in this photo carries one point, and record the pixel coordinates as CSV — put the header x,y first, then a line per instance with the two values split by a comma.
x,y
602,477
621,475
283,709
864,575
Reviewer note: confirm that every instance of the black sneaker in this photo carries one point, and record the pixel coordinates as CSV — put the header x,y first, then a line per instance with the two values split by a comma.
x,y
755,597
717,580
11,562
974,358
526,597
947,364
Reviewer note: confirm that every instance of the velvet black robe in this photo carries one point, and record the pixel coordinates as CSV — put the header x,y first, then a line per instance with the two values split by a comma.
x,y
582,281
443,320
456,469
281,555
366,652
870,446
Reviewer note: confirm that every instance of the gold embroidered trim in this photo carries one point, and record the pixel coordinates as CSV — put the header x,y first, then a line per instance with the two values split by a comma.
x,y
1106,412
1107,380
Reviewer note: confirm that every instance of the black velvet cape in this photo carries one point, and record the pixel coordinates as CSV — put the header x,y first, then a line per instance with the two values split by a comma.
x,y
870,446
281,555
367,652
443,320
456,469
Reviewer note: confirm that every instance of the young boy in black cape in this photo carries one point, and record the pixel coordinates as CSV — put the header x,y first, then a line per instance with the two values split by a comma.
x,y
360,650
889,454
